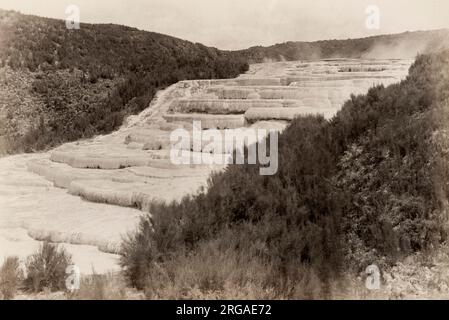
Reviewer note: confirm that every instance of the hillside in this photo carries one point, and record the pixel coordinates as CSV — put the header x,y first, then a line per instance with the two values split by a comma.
x,y
367,186
403,45
61,85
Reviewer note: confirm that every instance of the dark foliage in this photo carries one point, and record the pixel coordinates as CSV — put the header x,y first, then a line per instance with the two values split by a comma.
x,y
11,277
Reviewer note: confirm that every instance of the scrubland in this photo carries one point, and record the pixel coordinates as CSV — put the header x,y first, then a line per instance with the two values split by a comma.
x,y
365,187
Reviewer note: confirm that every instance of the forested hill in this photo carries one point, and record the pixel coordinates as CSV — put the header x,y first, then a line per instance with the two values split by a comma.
x,y
105,50
70,84
403,45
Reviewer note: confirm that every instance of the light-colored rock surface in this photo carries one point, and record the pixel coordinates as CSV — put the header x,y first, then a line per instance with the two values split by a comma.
x,y
88,194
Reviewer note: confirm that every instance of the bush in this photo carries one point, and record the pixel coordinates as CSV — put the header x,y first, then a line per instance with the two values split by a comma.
x,y
46,269
11,277
136,253
100,287
213,271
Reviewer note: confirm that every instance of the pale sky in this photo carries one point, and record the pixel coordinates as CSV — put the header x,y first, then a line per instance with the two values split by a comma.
x,y
237,24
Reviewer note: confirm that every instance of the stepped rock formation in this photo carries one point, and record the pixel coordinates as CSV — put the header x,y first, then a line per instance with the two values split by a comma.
x,y
87,194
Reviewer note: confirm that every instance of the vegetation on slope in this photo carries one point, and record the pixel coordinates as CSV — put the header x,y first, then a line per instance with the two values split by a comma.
x,y
368,186
86,81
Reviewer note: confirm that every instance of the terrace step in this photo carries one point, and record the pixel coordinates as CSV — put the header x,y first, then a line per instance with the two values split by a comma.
x,y
135,194
284,92
62,175
80,160
343,84
209,121
288,80
287,114
268,81
228,106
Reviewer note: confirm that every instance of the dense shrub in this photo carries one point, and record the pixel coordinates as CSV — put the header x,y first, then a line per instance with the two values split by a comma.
x,y
367,186
11,277
394,167
46,269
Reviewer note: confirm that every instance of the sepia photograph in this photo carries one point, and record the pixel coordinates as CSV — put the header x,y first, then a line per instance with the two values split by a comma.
x,y
212,150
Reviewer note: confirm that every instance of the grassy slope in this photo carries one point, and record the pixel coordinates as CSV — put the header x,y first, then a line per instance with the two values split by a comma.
x,y
368,186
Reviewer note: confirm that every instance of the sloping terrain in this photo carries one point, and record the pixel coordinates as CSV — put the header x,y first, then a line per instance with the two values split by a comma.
x,y
62,85
91,192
